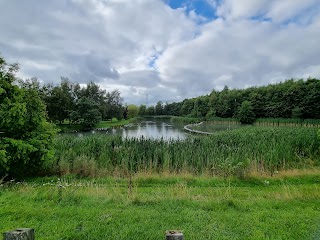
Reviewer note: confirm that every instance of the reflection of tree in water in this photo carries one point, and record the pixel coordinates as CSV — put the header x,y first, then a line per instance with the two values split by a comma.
x,y
154,130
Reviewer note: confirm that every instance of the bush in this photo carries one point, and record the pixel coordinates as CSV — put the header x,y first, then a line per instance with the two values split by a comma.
x,y
26,137
245,113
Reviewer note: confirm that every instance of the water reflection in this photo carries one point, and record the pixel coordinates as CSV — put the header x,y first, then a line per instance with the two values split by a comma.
x,y
154,130
145,129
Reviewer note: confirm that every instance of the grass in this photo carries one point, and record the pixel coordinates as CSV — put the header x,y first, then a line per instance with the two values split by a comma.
x,y
258,122
287,122
283,207
66,127
248,183
184,120
238,152
114,123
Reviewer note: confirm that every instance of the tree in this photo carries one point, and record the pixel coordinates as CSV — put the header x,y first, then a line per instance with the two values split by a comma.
x,y
89,113
142,110
245,113
114,105
59,100
133,111
159,108
296,113
26,137
150,111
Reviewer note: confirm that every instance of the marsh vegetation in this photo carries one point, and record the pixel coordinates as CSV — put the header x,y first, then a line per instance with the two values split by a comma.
x,y
240,151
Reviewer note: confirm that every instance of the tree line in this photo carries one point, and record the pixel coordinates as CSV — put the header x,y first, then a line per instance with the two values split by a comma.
x,y
78,104
28,109
289,99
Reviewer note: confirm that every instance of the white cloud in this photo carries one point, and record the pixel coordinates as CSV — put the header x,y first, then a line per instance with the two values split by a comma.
x,y
278,11
241,54
144,47
234,9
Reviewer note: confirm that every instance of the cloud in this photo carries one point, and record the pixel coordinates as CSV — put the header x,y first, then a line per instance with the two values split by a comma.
x,y
244,53
277,11
145,47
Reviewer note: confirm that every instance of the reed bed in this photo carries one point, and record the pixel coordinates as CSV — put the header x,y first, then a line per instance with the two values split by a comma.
x,y
237,152
288,122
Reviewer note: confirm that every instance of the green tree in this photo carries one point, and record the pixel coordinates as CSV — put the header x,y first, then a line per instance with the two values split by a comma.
x,y
26,137
245,113
187,107
150,111
114,105
133,111
142,110
59,100
296,112
159,108
89,113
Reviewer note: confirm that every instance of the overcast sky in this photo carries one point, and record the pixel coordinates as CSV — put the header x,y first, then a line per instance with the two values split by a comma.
x,y
168,49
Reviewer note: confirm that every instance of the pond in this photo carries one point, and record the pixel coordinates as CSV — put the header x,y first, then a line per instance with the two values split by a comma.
x,y
154,129
159,129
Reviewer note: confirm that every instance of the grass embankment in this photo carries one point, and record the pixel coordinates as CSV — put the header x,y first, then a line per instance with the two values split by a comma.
x,y
114,123
66,127
281,207
237,152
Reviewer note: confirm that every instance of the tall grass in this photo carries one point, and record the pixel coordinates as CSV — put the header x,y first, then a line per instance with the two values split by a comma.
x,y
215,120
237,152
287,122
184,120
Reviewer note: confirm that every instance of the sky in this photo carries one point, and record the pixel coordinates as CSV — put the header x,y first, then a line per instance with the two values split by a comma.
x,y
167,49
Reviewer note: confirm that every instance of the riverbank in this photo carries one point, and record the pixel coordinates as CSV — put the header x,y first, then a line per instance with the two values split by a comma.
x,y
114,123
285,206
66,127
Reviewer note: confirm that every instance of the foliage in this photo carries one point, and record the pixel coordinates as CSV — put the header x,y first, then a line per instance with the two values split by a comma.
x,y
159,108
26,136
85,105
292,98
142,110
296,113
133,111
150,111
265,149
89,113
245,113
184,120
114,105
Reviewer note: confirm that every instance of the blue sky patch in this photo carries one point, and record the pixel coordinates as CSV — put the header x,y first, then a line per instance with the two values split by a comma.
x,y
261,18
201,7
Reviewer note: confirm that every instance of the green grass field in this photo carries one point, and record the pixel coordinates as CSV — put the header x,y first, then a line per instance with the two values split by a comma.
x,y
282,207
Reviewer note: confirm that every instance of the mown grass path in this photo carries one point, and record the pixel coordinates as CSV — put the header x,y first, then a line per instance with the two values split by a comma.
x,y
204,208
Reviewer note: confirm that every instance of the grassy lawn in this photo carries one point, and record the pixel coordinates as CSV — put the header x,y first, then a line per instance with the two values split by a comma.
x,y
282,207
113,123
66,127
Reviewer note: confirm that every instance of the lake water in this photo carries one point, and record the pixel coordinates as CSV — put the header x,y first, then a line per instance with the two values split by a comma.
x,y
155,129
159,129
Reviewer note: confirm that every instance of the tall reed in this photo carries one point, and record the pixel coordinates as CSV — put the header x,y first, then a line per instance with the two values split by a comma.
x,y
236,152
